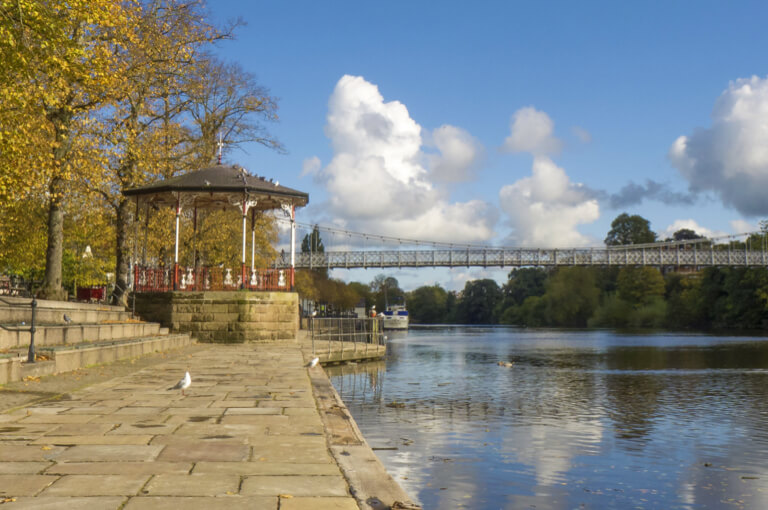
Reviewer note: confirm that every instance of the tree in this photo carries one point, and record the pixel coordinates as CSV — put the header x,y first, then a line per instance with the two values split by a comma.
x,y
686,234
626,229
228,102
479,302
572,296
684,306
61,61
364,291
638,286
312,243
386,290
141,132
523,283
428,305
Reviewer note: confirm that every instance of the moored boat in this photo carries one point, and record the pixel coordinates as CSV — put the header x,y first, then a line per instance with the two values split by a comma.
x,y
395,317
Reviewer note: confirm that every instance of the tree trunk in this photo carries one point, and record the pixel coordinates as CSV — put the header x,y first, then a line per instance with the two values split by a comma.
x,y
60,119
52,279
122,269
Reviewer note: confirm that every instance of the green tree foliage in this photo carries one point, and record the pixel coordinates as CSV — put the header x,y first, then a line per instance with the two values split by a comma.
x,y
386,292
626,229
686,234
735,297
640,285
364,293
429,305
479,301
312,243
572,296
522,283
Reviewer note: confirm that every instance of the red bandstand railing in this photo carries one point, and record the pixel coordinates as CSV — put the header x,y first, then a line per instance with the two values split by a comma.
x,y
163,279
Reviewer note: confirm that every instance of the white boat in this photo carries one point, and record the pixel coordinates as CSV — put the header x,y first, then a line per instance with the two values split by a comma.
x,y
395,317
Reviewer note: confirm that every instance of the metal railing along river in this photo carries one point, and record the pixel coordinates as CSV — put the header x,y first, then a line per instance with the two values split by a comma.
x,y
361,332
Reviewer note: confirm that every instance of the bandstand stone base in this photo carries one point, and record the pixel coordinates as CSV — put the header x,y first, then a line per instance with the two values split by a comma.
x,y
224,317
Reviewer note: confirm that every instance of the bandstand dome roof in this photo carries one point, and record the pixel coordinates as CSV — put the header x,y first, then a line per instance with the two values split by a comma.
x,y
219,186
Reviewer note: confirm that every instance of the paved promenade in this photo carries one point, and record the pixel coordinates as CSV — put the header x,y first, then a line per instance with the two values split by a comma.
x,y
247,434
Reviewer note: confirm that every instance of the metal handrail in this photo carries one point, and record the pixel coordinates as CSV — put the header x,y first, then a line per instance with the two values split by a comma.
x,y
367,330
31,330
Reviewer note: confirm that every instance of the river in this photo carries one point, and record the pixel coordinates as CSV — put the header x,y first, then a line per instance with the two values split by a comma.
x,y
582,419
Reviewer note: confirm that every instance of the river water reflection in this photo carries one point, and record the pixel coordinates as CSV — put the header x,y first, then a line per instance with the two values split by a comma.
x,y
589,419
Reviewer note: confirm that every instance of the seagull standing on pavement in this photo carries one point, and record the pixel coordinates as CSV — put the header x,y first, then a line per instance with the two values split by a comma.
x,y
183,384
313,363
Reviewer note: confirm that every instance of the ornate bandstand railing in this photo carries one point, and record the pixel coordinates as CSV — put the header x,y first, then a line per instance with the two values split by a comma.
x,y
203,278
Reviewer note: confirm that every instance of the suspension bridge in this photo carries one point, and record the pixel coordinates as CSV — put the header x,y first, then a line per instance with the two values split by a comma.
x,y
734,250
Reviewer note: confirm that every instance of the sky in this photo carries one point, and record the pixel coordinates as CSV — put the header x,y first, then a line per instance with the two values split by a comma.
x,y
529,124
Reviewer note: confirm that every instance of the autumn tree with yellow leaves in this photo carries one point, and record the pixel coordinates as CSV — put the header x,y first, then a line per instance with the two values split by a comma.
x,y
97,96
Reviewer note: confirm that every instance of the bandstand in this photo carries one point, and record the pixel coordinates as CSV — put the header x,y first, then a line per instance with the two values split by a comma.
x,y
200,298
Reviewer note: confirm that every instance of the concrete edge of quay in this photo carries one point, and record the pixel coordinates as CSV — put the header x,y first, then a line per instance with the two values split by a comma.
x,y
369,482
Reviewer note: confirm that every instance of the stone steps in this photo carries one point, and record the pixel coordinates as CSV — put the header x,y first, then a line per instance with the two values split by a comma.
x,y
96,334
65,358
17,310
15,336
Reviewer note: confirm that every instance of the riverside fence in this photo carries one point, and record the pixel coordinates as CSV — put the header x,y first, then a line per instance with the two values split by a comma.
x,y
362,333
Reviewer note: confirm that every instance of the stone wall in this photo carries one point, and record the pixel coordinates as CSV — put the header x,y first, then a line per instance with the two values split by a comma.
x,y
224,317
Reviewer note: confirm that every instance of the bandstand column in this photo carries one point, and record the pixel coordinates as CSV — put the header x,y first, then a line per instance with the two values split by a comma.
x,y
242,267
176,249
194,246
135,247
293,243
253,239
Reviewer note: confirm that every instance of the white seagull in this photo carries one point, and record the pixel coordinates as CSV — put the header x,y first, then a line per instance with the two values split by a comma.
x,y
313,363
183,384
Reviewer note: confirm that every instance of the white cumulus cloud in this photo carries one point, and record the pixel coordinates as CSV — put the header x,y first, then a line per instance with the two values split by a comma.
x,y
377,181
311,166
690,225
460,154
730,158
546,208
532,131
743,226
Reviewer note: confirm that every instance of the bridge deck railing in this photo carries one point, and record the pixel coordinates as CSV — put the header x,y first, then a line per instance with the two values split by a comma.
x,y
650,255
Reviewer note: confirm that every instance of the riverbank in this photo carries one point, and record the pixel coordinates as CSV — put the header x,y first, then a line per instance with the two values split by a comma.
x,y
255,430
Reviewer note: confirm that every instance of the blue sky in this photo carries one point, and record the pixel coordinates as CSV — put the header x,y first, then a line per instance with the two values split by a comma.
x,y
598,94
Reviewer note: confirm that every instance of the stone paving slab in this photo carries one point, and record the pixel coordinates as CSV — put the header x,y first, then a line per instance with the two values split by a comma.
x,y
97,485
318,504
246,434
25,453
23,468
24,485
115,468
267,468
208,484
64,503
330,485
203,503
110,452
